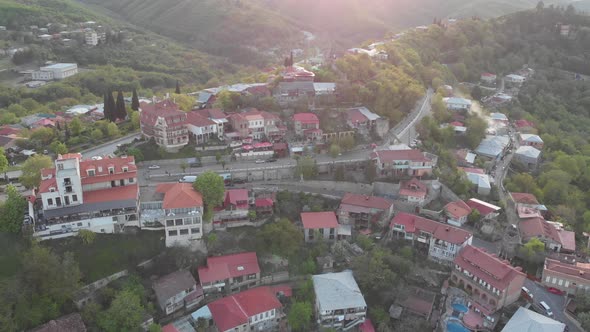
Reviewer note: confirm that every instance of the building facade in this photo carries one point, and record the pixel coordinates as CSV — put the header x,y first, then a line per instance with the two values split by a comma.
x,y
403,162
440,241
230,273
97,195
570,277
177,290
165,123
492,282
361,210
318,225
57,71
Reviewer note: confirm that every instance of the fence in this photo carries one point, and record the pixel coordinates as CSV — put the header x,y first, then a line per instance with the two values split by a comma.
x,y
274,278
86,293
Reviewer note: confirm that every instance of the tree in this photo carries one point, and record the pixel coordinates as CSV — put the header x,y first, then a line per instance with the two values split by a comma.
x,y
335,150
112,130
540,5
218,156
584,319
476,131
43,136
87,236
136,153
339,173
135,101
31,176
184,102
124,314
299,317
110,107
107,111
370,171
12,211
281,238
96,134
347,142
3,161
212,187
252,214
120,109
306,167
183,166
473,216
75,126
154,328
58,147
177,90
532,249
476,93
135,119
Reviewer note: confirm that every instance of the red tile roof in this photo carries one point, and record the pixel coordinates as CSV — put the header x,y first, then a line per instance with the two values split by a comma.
x,y
169,328
112,194
525,212
104,175
165,109
8,131
388,156
413,188
538,227
472,170
198,120
457,124
578,270
568,240
46,184
488,75
238,197
524,198
488,267
317,220
264,202
372,202
69,156
228,266
306,118
458,209
211,113
235,310
484,208
523,123
414,223
356,116
179,196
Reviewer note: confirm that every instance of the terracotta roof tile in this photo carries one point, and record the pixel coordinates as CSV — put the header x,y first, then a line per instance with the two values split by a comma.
x,y
317,220
179,196
223,267
373,202
458,209
306,118
388,156
414,224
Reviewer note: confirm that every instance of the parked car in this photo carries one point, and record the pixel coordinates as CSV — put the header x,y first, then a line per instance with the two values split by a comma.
x,y
546,308
153,167
196,164
271,160
259,161
554,290
526,293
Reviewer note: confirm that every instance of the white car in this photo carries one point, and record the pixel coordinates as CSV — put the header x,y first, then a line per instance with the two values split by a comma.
x,y
259,161
153,167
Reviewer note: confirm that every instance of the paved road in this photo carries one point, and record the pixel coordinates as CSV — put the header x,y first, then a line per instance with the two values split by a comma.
x,y
405,131
555,302
110,147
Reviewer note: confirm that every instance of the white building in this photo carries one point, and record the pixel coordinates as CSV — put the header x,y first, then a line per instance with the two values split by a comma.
x,y
57,71
515,79
339,302
98,195
454,103
91,38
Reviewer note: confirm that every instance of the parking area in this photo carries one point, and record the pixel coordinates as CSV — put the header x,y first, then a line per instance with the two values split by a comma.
x,y
555,302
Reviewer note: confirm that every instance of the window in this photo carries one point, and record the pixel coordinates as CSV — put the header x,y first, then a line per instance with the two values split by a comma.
x,y
125,169
122,182
172,233
49,201
102,230
91,172
113,184
547,279
58,201
74,198
560,283
111,170
178,222
195,230
115,218
169,222
184,232
131,180
51,189
79,224
554,281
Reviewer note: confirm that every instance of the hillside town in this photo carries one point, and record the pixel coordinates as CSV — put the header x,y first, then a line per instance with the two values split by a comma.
x,y
280,205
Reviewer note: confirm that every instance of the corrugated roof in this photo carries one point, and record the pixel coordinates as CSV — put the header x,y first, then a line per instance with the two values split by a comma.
x,y
414,223
337,291
317,220
525,320
172,284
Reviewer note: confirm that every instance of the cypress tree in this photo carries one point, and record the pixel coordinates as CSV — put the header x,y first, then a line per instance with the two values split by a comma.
x,y
107,111
177,87
291,59
121,112
135,101
112,107
67,131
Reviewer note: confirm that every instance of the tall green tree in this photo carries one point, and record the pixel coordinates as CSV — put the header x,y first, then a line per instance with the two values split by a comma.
x,y
124,314
76,126
306,167
212,187
58,147
31,169
106,106
12,211
281,238
112,107
135,101
299,317
177,90
3,161
121,110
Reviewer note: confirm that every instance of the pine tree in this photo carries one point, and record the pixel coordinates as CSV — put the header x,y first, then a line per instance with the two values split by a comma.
x,y
135,101
291,59
57,126
107,110
67,132
177,87
110,110
121,112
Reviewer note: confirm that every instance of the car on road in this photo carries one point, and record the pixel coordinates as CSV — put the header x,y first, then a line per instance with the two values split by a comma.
x,y
554,290
271,160
527,294
546,308
153,167
195,164
259,161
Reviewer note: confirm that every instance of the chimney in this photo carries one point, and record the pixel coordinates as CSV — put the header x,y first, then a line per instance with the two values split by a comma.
x,y
447,229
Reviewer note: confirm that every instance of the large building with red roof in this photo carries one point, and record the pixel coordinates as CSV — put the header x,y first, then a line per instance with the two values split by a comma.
x,y
361,210
234,211
551,234
442,242
180,210
493,283
403,162
255,124
165,123
571,277
320,224
200,128
413,191
257,309
307,125
97,195
457,213
230,272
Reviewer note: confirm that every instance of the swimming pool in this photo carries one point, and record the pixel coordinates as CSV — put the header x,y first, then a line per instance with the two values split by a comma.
x,y
460,307
456,327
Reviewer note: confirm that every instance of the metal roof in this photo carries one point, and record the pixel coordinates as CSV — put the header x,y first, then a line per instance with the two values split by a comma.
x,y
337,291
525,320
90,207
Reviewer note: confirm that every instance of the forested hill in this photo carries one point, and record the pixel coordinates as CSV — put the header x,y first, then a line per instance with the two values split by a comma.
x,y
238,29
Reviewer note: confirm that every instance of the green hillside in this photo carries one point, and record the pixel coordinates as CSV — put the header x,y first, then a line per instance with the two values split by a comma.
x,y
233,28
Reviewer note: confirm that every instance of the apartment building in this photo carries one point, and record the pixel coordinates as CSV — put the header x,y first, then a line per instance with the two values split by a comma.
x,y
97,195
571,277
403,163
165,123
362,210
181,213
